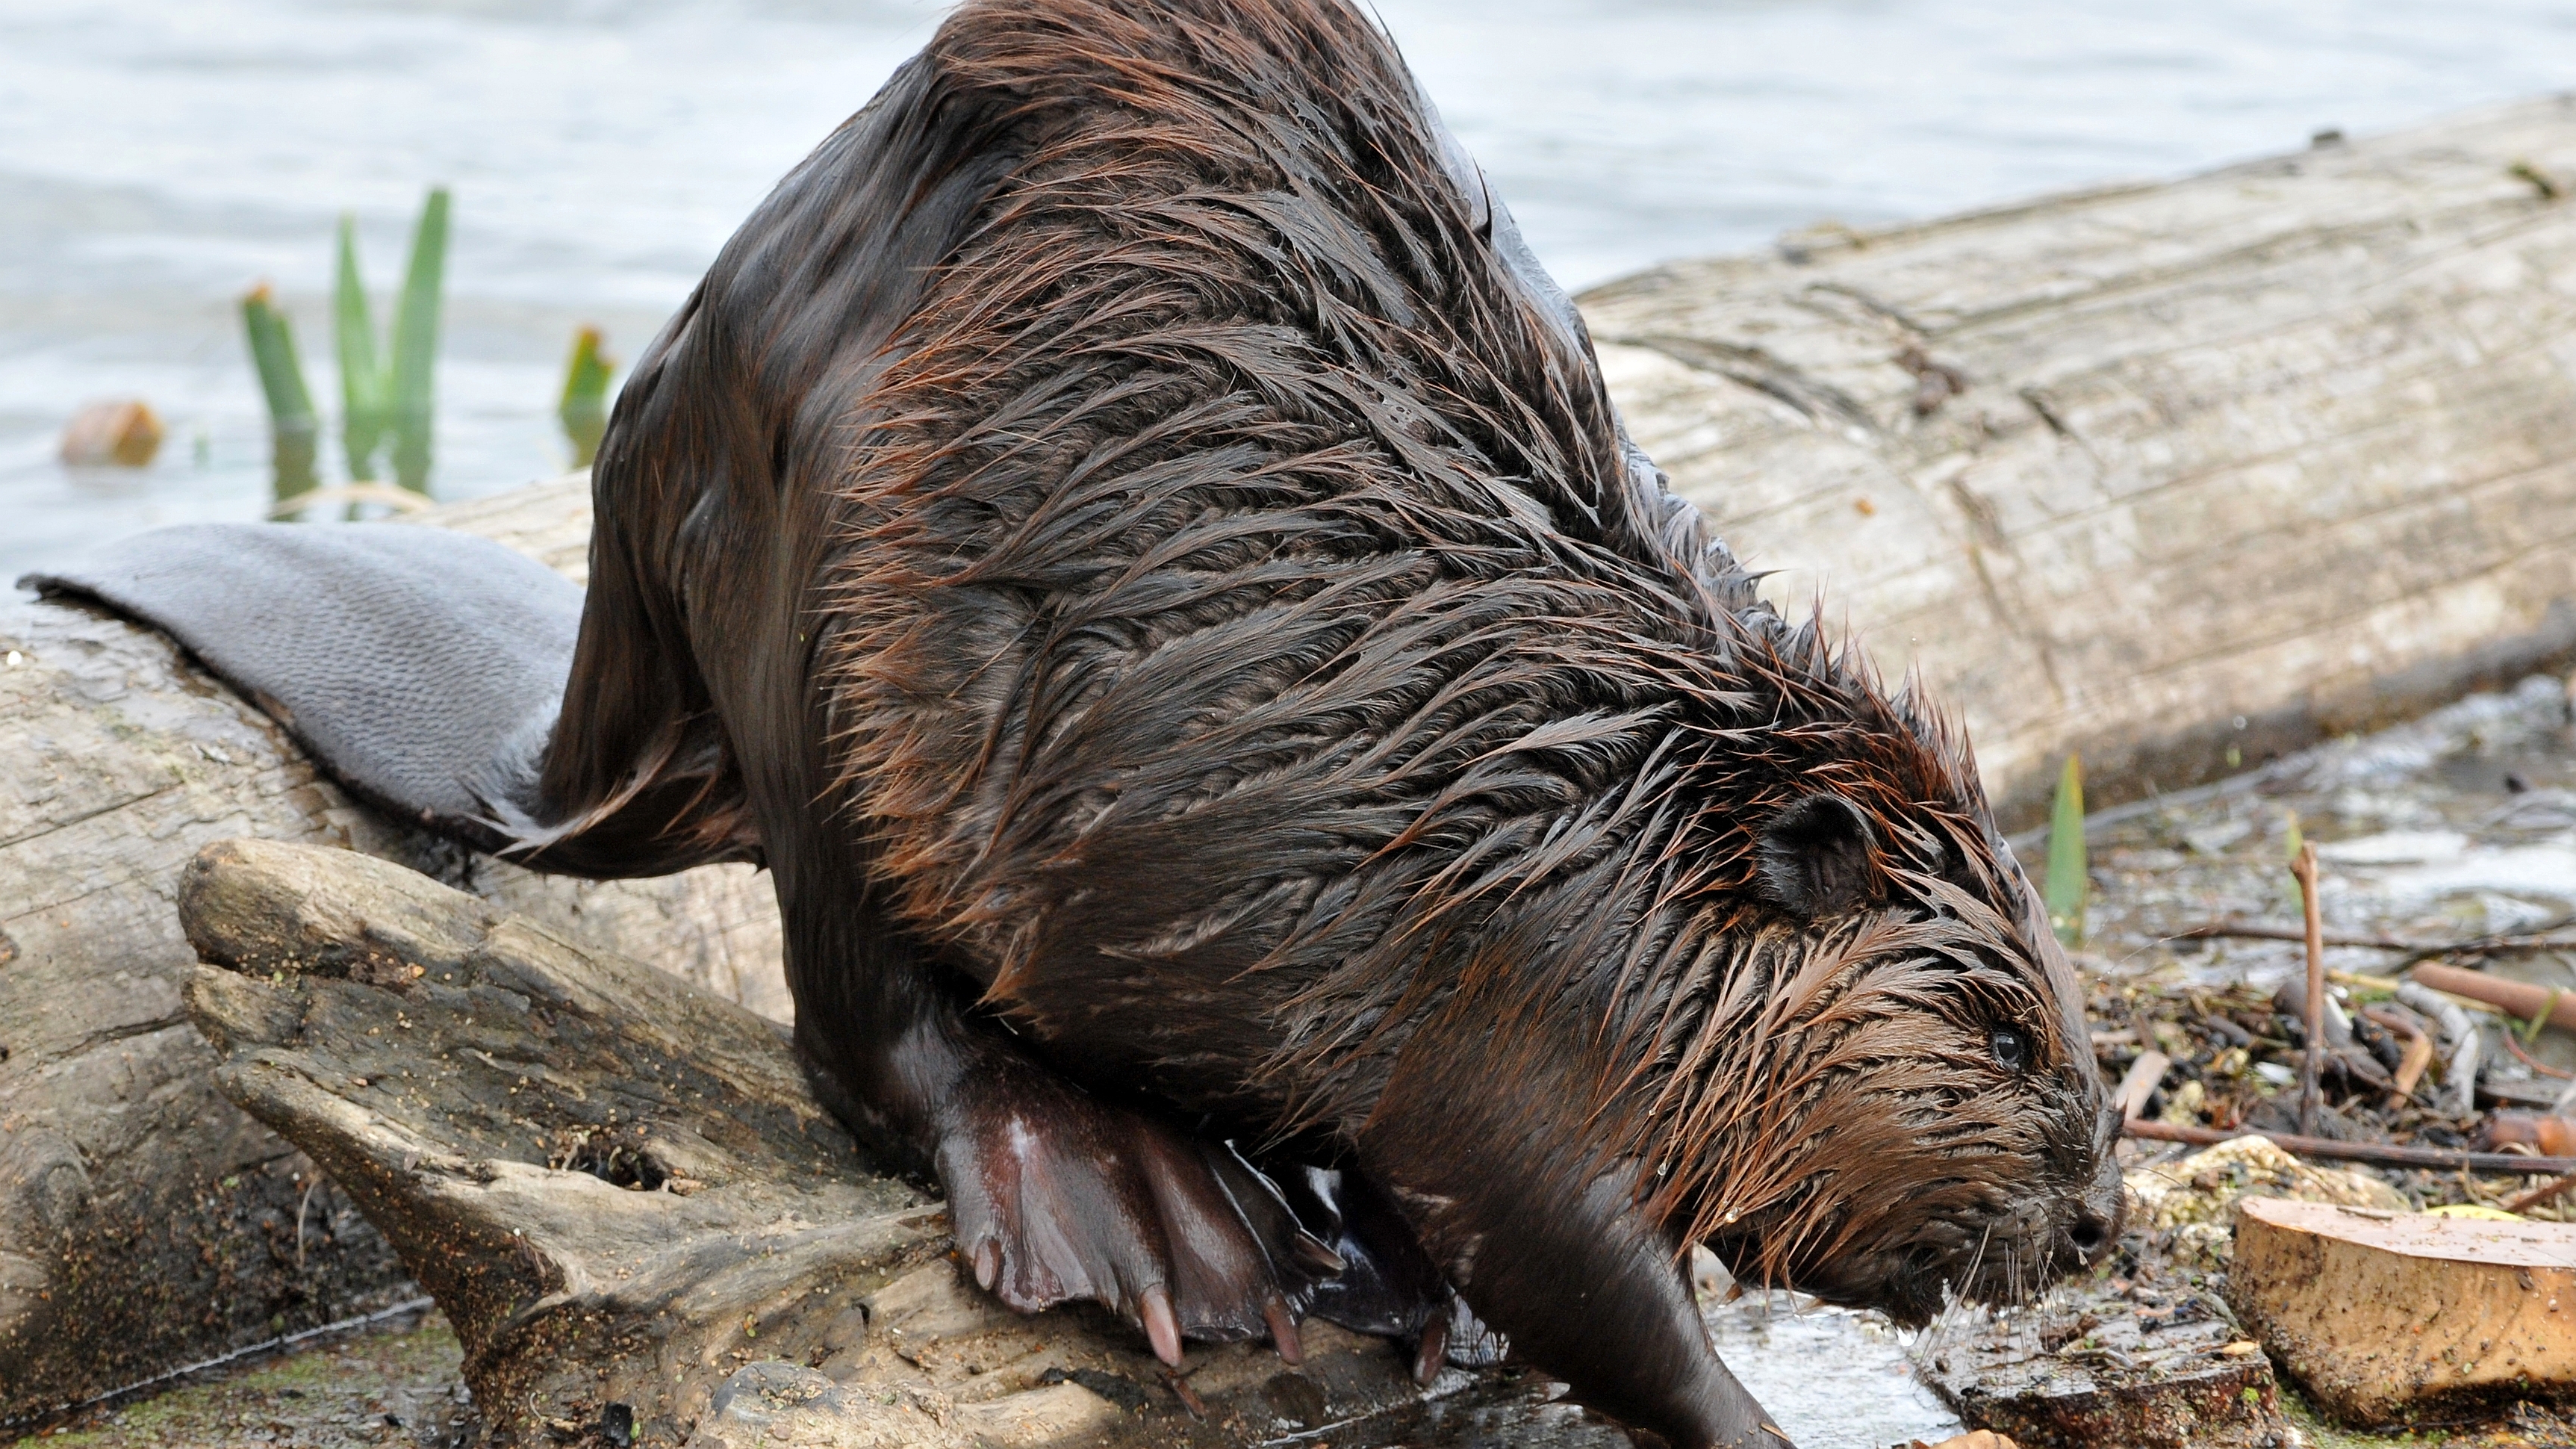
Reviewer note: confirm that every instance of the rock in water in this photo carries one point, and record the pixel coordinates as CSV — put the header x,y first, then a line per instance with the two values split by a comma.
x,y
116,433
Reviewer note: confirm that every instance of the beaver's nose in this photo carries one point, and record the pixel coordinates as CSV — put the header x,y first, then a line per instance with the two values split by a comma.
x,y
2090,1235
2095,1226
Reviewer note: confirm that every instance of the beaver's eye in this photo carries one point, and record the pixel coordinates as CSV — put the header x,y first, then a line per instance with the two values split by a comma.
x,y
2007,1046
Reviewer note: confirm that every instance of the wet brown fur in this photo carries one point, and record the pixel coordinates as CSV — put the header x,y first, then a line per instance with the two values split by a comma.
x,y
1243,609
1200,600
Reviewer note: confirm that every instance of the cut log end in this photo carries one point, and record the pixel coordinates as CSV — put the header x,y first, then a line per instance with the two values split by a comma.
x,y
2384,1317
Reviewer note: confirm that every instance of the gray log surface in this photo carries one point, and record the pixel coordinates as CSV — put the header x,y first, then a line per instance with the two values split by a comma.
x,y
625,1200
2156,472
144,1222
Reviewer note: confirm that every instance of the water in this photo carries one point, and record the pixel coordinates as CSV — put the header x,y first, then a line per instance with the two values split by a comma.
x,y
158,158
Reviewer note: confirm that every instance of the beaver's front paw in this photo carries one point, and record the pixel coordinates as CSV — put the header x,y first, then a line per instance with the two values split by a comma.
x,y
1058,1196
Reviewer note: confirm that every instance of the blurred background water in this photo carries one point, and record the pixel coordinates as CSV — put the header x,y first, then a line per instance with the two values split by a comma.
x,y
158,158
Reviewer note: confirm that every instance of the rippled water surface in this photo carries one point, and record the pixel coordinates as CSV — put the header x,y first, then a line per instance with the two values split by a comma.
x,y
158,158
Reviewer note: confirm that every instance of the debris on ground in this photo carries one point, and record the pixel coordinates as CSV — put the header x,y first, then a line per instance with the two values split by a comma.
x,y
2447,905
2186,1210
2149,1353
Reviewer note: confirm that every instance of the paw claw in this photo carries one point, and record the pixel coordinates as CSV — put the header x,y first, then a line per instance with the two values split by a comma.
x,y
1283,1330
1162,1329
1432,1351
988,1264
1312,1255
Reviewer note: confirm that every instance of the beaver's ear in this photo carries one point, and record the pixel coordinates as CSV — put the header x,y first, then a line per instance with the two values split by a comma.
x,y
1819,857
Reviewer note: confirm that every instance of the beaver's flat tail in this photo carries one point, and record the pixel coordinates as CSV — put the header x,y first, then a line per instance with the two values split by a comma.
x,y
420,668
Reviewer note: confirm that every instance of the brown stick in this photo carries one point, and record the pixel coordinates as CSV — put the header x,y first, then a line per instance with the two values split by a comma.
x,y
2258,931
2312,1067
2517,998
2538,1067
2419,1051
2547,1192
2262,931
2379,1154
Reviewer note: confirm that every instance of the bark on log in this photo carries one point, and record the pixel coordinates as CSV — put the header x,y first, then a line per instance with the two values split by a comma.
x,y
2177,475
144,1222
620,1192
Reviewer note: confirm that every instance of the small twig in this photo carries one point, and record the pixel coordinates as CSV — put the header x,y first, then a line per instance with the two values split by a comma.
x,y
2391,985
2312,1067
2547,1192
2419,1051
2519,1000
2412,950
2460,1037
2380,1154
2535,1063
301,1206
2258,931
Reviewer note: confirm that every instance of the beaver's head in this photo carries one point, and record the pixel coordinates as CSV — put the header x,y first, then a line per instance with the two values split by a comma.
x,y
1869,1076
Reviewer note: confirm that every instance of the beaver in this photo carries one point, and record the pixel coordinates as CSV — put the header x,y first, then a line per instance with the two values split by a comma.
x,y
1274,804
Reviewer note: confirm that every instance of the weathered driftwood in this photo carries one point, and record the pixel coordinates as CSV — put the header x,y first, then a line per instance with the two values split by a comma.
x,y
2176,475
144,1222
620,1192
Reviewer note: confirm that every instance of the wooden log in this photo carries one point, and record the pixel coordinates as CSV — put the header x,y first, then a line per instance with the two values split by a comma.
x,y
2175,475
2381,1315
2089,1368
622,1195
144,1222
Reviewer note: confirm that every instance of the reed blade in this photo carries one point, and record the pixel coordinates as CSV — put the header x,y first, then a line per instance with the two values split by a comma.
x,y
2068,886
415,344
365,413
293,427
584,409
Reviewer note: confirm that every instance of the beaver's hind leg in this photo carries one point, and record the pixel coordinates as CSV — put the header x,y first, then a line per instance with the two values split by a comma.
x,y
1056,1194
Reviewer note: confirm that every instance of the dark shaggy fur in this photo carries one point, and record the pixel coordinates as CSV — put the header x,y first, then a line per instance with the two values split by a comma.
x,y
1126,536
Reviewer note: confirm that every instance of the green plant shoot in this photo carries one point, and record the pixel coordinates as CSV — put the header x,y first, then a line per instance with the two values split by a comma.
x,y
2069,886
293,426
415,344
584,410
388,395
366,409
